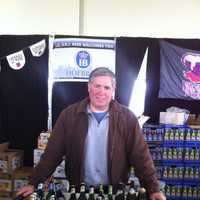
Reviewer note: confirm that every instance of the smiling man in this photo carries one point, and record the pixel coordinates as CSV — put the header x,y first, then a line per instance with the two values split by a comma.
x,y
100,139
101,90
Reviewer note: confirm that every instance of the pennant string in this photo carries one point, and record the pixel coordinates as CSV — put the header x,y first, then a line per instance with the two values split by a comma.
x,y
39,48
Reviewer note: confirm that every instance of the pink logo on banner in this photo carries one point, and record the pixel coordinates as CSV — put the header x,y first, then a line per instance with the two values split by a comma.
x,y
192,62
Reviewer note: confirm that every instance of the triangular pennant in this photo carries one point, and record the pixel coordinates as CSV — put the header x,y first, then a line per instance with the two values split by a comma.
x,y
38,48
16,60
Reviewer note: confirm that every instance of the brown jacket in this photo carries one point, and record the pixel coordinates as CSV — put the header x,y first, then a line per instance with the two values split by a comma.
x,y
126,147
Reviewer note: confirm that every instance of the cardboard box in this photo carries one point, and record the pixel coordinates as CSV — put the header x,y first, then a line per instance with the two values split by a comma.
x,y
10,160
37,154
6,198
6,195
194,120
172,118
21,177
4,146
6,184
20,153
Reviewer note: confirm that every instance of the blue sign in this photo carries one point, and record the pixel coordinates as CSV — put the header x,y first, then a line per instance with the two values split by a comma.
x,y
83,59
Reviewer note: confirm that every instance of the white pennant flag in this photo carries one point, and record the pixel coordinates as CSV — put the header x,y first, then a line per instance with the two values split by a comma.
x,y
16,60
38,48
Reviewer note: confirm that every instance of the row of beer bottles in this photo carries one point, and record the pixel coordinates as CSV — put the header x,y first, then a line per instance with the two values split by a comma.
x,y
123,192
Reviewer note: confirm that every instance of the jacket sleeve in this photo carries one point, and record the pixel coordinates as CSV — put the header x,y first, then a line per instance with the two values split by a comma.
x,y
53,154
140,159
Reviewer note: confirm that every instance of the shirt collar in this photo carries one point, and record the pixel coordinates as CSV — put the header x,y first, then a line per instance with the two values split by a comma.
x,y
89,111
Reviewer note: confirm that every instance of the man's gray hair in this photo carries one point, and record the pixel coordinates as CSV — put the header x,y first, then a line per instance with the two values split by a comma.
x,y
103,71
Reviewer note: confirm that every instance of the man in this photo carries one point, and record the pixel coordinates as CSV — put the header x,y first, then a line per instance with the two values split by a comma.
x,y
100,140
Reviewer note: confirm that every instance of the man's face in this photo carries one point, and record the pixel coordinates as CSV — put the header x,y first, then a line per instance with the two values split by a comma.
x,y
100,91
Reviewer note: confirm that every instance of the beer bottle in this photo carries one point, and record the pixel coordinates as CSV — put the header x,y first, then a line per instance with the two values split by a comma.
x,y
198,135
120,192
131,183
171,135
178,191
194,194
82,192
196,154
51,195
177,135
168,191
32,196
142,194
40,192
185,192
182,135
193,137
188,135
132,195
173,191
59,194
101,190
190,192
110,192
101,193
166,137
133,178
91,193
72,193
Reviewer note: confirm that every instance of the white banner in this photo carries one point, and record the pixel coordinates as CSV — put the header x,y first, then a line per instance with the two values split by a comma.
x,y
38,49
74,58
16,60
